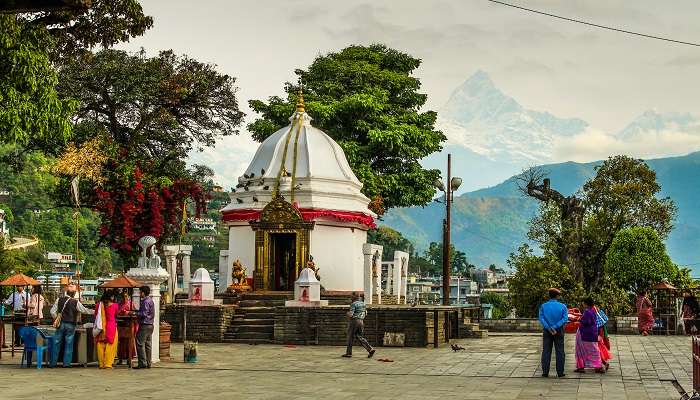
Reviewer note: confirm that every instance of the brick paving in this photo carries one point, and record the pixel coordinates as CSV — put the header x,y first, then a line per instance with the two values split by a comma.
x,y
500,367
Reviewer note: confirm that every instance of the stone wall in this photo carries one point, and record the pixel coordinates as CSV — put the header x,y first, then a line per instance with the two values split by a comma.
x,y
511,325
624,326
328,325
204,323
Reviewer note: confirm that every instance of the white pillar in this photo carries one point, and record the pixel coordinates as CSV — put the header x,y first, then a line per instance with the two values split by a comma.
x,y
225,279
401,261
152,277
373,271
186,274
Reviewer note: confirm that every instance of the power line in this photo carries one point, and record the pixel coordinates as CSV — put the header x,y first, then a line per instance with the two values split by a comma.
x,y
578,21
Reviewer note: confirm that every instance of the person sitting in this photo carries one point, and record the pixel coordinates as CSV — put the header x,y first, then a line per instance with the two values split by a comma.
x,y
69,309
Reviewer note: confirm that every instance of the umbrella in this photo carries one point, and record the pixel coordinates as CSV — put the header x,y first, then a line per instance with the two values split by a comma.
x,y
20,280
663,286
122,281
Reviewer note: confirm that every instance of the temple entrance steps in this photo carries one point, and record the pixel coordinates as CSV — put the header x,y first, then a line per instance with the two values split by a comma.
x,y
254,320
471,330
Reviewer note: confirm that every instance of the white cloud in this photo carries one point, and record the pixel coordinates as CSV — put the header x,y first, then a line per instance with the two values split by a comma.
x,y
594,144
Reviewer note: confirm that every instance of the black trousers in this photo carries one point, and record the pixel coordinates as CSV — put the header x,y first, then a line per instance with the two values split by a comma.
x,y
355,329
549,340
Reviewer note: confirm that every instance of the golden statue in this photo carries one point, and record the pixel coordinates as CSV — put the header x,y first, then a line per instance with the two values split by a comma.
x,y
312,265
238,274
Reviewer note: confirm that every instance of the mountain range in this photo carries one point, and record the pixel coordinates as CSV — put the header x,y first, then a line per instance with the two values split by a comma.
x,y
493,138
488,224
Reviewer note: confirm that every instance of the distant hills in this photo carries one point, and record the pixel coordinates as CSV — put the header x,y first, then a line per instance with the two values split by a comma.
x,y
489,224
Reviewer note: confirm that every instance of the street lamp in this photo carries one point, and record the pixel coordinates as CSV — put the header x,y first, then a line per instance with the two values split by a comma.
x,y
453,183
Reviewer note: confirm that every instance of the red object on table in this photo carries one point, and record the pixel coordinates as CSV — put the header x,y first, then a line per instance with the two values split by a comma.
x,y
574,318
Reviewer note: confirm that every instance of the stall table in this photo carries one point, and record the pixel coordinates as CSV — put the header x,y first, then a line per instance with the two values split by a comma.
x,y
83,345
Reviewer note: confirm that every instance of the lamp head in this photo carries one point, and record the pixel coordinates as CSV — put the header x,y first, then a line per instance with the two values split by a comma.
x,y
455,183
439,185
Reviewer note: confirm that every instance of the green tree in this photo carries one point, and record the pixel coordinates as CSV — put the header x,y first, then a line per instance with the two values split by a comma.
x,y
637,259
390,240
155,111
499,303
366,98
534,275
579,229
31,112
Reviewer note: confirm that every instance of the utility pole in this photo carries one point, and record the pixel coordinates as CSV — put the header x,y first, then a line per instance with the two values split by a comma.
x,y
451,185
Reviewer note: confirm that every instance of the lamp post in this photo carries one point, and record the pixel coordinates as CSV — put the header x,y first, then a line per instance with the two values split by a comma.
x,y
448,189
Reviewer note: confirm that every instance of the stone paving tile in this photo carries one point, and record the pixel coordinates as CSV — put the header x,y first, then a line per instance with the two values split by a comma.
x,y
500,367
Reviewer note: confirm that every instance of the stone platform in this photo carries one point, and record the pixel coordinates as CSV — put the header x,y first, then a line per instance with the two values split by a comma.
x,y
501,367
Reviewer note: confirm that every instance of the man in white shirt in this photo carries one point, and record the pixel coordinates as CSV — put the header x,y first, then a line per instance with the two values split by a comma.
x,y
18,302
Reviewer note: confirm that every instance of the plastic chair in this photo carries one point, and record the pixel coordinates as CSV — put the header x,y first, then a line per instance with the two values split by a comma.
x,y
34,342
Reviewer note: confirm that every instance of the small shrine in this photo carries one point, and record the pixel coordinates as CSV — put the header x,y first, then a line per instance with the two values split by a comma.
x,y
307,291
298,197
201,286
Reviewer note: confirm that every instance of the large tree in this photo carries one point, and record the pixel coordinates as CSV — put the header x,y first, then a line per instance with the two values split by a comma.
x,y
367,99
32,115
580,228
143,116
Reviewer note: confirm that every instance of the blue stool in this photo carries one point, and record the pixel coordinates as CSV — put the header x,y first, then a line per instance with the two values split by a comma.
x,y
34,342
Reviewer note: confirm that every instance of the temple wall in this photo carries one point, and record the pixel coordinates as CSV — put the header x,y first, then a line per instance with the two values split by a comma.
x,y
241,246
204,323
337,250
328,326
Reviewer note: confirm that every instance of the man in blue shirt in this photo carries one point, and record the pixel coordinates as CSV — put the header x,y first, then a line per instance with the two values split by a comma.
x,y
553,316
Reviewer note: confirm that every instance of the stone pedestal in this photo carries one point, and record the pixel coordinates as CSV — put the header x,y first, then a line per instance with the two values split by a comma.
x,y
201,286
373,272
152,277
307,291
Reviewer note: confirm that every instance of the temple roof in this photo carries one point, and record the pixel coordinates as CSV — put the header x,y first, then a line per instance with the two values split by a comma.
x,y
305,166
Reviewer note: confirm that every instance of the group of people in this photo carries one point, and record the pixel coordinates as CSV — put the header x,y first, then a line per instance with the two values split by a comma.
x,y
32,305
592,346
66,312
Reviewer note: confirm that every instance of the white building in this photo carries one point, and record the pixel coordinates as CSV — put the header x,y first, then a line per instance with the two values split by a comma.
x,y
203,224
299,198
4,231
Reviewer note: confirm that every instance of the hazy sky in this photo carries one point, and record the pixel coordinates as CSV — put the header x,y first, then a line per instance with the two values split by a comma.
x,y
570,70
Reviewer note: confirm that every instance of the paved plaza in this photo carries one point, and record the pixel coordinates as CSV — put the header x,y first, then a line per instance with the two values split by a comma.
x,y
500,367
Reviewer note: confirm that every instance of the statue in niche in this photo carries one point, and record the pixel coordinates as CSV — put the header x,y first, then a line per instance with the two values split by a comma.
x,y
375,258
403,267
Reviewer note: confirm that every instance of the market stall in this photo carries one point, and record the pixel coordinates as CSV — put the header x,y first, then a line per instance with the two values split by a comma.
x,y
14,317
127,321
664,298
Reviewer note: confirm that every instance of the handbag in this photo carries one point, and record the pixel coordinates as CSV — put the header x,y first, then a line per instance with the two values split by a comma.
x,y
57,320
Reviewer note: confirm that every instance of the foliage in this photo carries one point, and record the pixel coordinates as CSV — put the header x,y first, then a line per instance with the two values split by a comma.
x,y
105,23
366,98
86,161
637,259
391,241
578,230
499,303
155,111
534,275
35,202
31,112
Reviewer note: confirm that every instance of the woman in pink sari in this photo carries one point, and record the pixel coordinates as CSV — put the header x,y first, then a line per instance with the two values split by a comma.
x,y
126,330
587,350
645,317
106,322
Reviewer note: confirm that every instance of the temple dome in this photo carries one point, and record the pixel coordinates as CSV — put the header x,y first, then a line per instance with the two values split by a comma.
x,y
305,166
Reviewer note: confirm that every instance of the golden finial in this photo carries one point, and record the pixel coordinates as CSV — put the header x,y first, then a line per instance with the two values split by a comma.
x,y
300,99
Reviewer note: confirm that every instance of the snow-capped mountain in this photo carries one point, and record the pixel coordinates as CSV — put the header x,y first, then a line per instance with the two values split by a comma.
x,y
480,117
652,122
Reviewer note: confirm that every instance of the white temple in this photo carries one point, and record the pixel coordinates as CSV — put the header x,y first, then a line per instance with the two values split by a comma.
x,y
297,199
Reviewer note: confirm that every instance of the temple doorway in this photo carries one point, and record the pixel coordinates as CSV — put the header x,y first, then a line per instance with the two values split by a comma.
x,y
283,259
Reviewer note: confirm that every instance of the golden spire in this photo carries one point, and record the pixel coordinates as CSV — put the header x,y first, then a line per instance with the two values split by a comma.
x,y
300,100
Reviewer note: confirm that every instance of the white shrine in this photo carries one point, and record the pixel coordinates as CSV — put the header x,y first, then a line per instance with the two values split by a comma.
x,y
298,198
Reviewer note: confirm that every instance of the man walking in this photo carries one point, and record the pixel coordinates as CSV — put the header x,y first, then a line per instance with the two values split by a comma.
x,y
356,326
553,316
69,309
145,333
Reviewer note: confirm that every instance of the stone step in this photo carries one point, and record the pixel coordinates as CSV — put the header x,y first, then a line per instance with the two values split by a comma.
x,y
251,328
253,321
256,315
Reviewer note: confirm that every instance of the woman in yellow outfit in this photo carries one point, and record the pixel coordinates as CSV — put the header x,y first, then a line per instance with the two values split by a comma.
x,y
106,324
